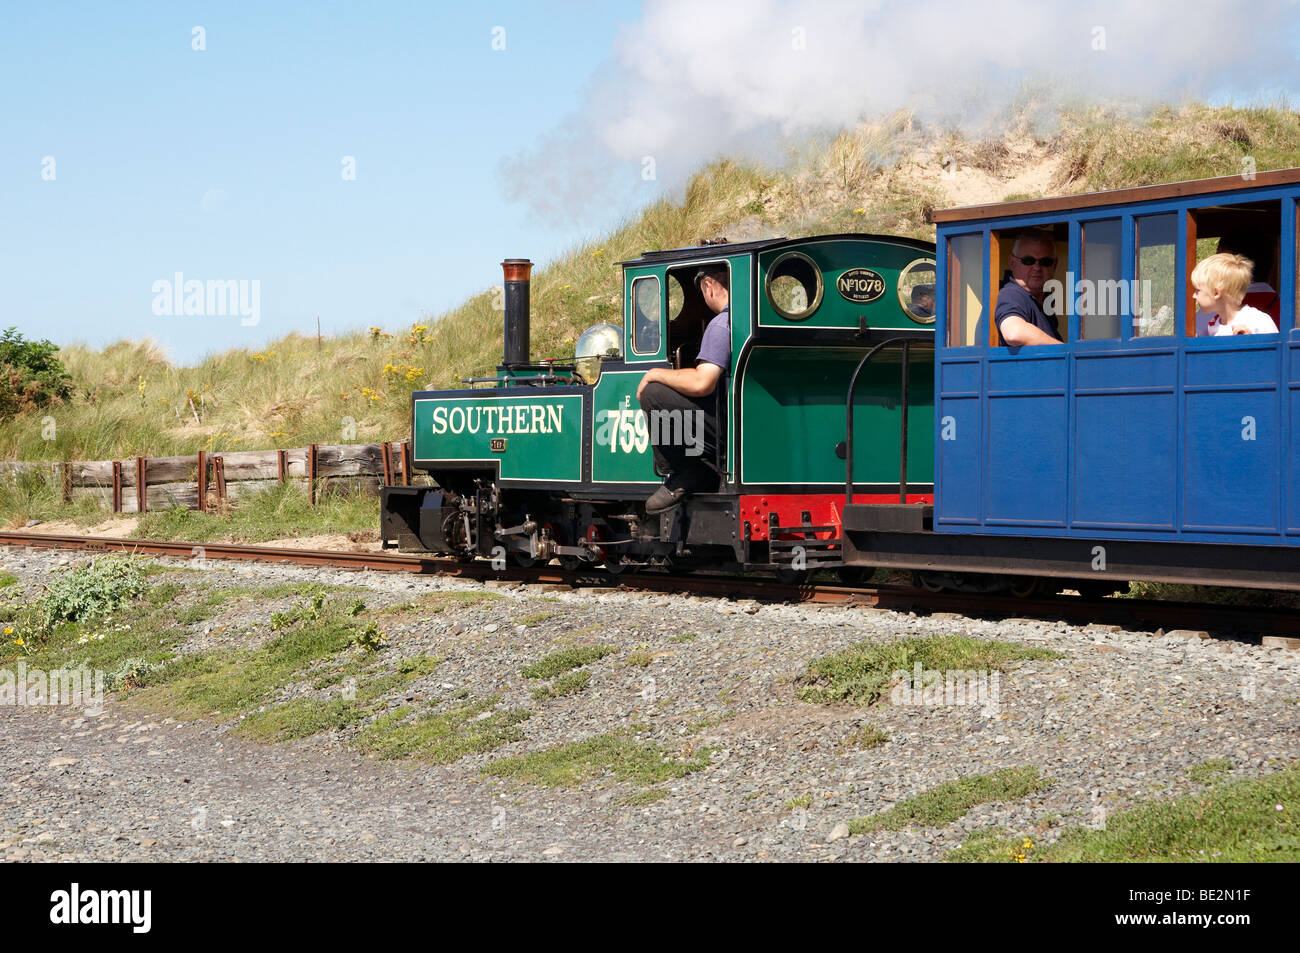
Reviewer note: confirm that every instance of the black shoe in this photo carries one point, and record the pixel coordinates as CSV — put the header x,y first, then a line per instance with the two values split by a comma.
x,y
665,498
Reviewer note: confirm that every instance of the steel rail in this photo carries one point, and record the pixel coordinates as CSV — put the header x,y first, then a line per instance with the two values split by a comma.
x,y
1139,614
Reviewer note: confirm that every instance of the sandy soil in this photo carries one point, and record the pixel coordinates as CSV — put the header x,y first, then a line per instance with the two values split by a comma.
x,y
122,527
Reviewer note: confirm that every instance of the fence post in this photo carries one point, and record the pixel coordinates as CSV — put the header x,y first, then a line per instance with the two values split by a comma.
x,y
282,464
406,463
203,481
117,486
67,481
386,453
311,474
219,474
141,490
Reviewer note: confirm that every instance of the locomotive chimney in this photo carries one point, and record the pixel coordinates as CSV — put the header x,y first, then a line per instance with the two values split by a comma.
x,y
516,331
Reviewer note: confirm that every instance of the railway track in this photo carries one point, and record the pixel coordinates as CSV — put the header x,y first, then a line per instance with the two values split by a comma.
x,y
1240,622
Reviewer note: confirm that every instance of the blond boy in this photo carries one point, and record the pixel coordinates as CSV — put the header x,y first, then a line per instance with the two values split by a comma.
x,y
1221,282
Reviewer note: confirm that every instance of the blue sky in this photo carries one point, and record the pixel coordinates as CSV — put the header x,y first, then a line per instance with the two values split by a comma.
x,y
226,163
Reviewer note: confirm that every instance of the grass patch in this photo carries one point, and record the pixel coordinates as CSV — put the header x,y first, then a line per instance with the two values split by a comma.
x,y
1232,822
616,754
557,663
276,513
536,618
443,737
569,683
7,580
863,672
639,659
234,682
952,799
704,724
1236,821
866,738
992,845
304,717
1209,771
642,798
685,637
803,800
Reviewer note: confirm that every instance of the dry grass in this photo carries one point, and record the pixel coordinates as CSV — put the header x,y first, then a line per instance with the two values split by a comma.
x,y
878,177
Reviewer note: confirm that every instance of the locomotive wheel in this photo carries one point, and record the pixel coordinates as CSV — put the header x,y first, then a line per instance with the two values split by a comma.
x,y
615,564
570,563
854,575
793,577
523,560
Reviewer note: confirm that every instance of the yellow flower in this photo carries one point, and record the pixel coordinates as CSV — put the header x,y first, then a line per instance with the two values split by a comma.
x,y
9,630
859,211
19,641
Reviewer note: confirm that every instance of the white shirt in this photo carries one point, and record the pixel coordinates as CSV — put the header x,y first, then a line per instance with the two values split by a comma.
x,y
1253,320
1207,321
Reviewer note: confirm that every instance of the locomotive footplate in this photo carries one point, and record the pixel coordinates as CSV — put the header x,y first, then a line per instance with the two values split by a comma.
x,y
804,550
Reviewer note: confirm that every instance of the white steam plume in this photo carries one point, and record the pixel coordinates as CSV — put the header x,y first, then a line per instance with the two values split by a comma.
x,y
694,80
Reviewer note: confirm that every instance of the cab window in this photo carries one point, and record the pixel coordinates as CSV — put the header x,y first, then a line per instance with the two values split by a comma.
x,y
646,315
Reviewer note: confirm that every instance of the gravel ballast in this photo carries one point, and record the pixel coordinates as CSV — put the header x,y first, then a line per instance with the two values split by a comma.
x,y
1120,719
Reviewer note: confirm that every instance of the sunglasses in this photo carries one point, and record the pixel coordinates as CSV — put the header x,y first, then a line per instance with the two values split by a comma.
x,y
1029,261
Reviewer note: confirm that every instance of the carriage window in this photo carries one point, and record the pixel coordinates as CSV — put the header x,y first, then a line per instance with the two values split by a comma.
x,y
965,288
1153,312
1105,295
645,315
1251,229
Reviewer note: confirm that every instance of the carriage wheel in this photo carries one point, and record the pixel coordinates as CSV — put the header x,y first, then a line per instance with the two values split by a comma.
x,y
1024,587
927,581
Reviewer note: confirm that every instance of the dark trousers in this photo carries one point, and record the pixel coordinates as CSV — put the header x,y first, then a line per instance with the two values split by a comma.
x,y
683,433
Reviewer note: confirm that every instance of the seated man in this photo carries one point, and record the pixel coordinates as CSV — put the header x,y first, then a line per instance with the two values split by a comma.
x,y
1020,316
679,403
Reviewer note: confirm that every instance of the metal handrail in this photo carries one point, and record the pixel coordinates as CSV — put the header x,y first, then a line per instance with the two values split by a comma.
x,y
853,386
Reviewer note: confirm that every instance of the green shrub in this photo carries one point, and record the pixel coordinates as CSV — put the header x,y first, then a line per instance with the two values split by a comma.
x,y
94,590
30,375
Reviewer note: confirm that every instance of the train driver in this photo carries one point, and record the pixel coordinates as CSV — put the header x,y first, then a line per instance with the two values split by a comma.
x,y
680,405
1020,316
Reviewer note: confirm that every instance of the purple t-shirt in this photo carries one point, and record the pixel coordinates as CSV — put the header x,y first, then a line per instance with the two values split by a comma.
x,y
715,346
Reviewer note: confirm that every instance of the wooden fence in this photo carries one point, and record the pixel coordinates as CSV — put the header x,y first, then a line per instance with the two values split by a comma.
x,y
207,481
